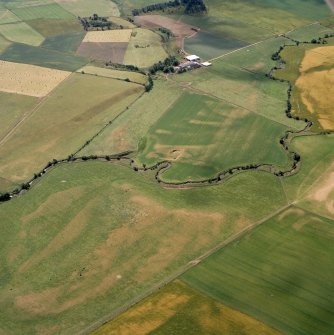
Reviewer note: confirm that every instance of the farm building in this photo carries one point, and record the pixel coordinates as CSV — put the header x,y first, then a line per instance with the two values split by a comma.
x,y
206,64
192,58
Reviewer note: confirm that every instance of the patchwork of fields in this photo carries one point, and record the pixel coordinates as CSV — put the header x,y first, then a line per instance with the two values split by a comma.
x,y
103,234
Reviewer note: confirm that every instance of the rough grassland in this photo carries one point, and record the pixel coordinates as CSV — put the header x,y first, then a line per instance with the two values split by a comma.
x,y
48,11
55,131
145,48
53,27
22,33
127,131
88,7
108,36
90,232
20,53
116,74
202,136
179,309
280,273
30,80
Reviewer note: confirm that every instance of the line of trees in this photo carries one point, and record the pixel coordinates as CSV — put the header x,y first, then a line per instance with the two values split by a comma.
x,y
167,66
95,22
190,7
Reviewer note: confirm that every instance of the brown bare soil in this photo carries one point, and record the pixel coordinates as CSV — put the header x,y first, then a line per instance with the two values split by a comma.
x,y
179,29
113,52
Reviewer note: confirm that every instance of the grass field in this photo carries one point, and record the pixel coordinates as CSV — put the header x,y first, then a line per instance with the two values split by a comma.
x,y
69,42
267,273
30,80
54,27
306,34
135,234
229,137
22,33
73,113
87,7
20,53
128,130
4,44
179,309
145,48
47,11
116,74
6,16
307,65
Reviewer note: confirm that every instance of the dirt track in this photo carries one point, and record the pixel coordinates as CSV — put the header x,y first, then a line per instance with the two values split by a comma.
x,y
330,3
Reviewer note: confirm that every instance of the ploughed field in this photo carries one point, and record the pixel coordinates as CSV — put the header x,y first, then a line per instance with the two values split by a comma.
x,y
95,236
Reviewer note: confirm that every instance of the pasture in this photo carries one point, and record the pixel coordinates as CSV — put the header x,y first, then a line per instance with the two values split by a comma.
x,y
135,234
30,80
72,114
179,309
131,127
145,48
86,8
229,137
108,36
22,33
280,273
20,53
116,74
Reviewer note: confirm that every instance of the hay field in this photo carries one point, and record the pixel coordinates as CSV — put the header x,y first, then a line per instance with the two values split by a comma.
x,y
116,74
88,7
28,79
145,48
203,136
127,131
280,273
179,309
22,33
72,114
108,36
90,232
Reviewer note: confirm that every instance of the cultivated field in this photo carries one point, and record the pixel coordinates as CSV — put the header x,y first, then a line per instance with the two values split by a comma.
x,y
6,16
55,131
135,235
108,36
68,43
30,80
3,43
268,273
87,7
116,74
230,137
22,33
179,309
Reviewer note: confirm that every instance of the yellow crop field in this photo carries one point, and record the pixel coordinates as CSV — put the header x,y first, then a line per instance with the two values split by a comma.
x,y
28,79
108,36
316,84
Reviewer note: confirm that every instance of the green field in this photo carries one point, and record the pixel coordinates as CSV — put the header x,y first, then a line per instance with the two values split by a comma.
x,y
4,43
129,129
87,7
144,49
66,43
22,33
90,232
273,274
74,112
47,11
54,27
306,34
54,59
229,137
7,16
179,309
134,77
